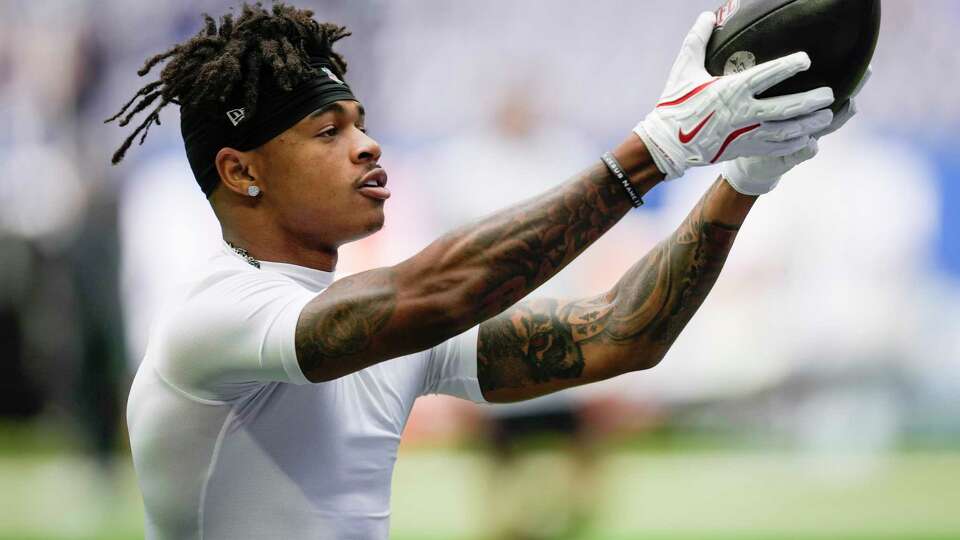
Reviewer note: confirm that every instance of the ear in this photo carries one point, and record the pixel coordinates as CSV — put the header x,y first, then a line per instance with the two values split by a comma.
x,y
234,168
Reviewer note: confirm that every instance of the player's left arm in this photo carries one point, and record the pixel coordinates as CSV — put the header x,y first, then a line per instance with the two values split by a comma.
x,y
544,345
541,346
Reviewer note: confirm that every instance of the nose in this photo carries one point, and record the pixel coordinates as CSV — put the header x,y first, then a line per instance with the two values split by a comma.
x,y
368,150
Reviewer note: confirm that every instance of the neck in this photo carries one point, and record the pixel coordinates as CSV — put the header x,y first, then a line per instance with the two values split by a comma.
x,y
283,251
264,239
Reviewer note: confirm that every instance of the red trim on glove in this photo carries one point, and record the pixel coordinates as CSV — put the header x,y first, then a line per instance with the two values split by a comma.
x,y
685,138
688,95
733,136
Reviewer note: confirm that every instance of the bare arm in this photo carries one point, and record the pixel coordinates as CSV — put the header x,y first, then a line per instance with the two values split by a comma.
x,y
466,276
541,346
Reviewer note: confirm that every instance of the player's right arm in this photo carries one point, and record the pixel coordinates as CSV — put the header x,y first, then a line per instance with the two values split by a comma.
x,y
464,277
476,272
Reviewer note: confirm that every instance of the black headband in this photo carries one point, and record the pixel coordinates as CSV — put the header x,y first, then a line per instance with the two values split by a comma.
x,y
205,132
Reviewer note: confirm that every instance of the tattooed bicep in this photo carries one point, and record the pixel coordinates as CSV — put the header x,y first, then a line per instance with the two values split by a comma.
x,y
546,345
538,345
337,328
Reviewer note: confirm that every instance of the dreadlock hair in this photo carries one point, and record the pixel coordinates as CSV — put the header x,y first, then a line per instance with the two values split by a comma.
x,y
220,62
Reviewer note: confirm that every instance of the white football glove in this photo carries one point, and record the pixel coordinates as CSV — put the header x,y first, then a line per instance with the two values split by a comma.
x,y
759,175
702,119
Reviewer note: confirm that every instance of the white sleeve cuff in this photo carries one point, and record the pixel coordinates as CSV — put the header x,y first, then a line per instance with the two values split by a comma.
x,y
468,355
282,339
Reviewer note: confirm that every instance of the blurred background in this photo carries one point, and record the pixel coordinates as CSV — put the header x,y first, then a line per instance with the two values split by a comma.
x,y
815,395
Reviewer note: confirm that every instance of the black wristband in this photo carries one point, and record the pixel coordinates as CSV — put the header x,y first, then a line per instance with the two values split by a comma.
x,y
617,171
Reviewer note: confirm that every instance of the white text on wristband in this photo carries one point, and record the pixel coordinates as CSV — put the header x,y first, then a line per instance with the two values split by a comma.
x,y
617,171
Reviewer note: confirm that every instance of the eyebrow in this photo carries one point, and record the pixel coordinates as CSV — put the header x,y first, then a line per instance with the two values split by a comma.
x,y
337,108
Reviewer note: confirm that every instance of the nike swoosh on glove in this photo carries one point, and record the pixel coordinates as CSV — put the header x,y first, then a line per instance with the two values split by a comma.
x,y
702,119
760,175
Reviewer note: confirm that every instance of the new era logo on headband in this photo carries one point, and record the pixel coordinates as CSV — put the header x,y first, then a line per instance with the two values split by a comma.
x,y
331,75
239,115
236,116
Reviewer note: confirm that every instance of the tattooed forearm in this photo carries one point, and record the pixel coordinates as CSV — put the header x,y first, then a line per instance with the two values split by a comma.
x,y
516,250
631,327
461,279
659,295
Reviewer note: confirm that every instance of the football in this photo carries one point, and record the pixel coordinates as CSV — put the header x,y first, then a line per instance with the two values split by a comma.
x,y
839,35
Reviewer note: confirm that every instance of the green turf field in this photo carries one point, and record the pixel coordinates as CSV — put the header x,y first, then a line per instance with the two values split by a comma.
x,y
446,494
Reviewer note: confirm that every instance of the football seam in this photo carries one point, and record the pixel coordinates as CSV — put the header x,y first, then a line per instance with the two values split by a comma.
x,y
742,31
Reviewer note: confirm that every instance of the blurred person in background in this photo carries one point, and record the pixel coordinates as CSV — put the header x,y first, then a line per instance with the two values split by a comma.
x,y
60,309
230,441
520,139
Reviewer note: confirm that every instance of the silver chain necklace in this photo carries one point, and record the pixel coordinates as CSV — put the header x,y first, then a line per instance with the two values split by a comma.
x,y
245,254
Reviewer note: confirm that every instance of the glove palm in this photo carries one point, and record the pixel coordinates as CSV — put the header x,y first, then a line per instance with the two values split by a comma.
x,y
703,119
759,175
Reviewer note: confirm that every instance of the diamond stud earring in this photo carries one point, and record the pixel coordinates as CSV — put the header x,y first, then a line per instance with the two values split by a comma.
x,y
253,191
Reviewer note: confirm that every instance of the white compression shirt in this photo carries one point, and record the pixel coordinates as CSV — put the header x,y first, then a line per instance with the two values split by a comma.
x,y
230,440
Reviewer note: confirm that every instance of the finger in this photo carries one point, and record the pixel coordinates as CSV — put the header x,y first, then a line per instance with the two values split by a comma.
x,y
804,154
772,73
696,41
802,126
793,105
781,148
843,116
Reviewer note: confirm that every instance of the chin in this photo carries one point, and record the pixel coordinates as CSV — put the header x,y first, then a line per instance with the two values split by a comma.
x,y
372,225
377,223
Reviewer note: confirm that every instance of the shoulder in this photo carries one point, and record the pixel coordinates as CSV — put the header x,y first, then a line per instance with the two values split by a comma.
x,y
227,281
224,314
229,290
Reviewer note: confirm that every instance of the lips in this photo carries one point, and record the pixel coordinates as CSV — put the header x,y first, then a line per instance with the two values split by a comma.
x,y
373,184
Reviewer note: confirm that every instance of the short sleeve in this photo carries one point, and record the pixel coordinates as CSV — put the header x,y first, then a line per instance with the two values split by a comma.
x,y
231,334
452,368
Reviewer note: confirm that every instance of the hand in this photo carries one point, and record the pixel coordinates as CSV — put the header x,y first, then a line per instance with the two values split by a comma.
x,y
702,119
759,175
